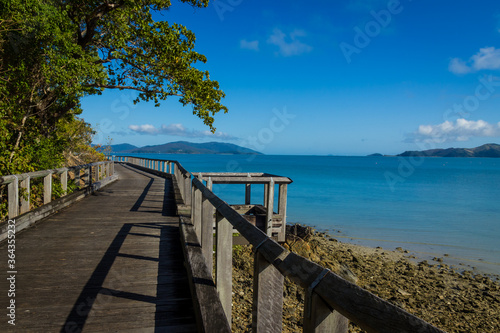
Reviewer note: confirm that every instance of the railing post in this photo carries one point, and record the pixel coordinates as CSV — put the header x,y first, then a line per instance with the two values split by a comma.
x,y
47,189
77,177
266,194
64,181
13,190
187,187
180,182
25,203
172,167
196,211
224,263
90,176
283,188
319,317
248,191
267,307
207,229
270,208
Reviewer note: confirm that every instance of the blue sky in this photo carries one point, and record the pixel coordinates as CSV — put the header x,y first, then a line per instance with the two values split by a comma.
x,y
330,77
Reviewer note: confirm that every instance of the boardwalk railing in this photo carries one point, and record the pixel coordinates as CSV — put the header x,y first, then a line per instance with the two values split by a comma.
x,y
93,175
330,300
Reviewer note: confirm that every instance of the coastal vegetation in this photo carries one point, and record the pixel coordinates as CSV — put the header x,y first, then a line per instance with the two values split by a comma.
x,y
53,53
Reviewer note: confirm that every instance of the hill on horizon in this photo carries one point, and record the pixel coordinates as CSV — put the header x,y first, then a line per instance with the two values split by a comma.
x,y
486,150
184,147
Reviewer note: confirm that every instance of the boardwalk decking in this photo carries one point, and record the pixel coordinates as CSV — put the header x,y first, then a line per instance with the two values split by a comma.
x,y
109,263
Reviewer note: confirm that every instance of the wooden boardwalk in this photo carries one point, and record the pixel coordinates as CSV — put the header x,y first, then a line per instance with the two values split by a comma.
x,y
110,263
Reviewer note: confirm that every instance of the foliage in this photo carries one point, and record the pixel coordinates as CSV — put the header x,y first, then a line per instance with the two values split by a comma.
x,y
53,52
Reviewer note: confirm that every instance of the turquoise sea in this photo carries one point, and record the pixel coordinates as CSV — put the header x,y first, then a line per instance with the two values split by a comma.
x,y
431,207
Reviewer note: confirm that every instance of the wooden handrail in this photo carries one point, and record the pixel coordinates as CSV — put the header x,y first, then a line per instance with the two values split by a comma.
x,y
330,299
20,205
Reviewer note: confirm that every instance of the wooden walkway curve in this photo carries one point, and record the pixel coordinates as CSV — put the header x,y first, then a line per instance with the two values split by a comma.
x,y
112,262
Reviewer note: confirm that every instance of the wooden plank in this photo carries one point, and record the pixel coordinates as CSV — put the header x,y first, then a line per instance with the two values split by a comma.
x,y
270,208
267,306
266,193
77,178
248,193
319,317
247,180
187,187
211,315
197,210
207,229
89,176
64,182
224,262
13,192
282,211
47,189
25,198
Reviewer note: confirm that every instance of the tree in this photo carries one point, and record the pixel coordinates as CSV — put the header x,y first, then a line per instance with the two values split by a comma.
x,y
54,52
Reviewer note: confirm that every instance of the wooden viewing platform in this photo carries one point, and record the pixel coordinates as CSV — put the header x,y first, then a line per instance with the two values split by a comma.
x,y
112,262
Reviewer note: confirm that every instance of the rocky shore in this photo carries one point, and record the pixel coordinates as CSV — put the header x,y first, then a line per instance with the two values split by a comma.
x,y
451,300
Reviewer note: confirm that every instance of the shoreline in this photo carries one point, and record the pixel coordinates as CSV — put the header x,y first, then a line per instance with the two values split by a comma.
x,y
420,251
451,300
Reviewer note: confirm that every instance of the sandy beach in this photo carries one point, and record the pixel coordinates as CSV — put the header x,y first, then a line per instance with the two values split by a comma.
x,y
453,300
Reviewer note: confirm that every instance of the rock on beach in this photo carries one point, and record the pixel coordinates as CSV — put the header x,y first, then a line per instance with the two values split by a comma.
x,y
451,300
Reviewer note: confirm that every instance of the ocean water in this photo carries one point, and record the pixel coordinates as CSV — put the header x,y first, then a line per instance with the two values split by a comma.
x,y
432,207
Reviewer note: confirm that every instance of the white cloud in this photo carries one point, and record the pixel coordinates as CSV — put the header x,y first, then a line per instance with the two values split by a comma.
x,y
178,130
144,129
289,45
249,45
458,66
487,58
460,130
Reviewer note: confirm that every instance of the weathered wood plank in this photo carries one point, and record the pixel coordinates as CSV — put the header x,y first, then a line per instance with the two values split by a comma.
x,y
25,198
319,317
64,181
207,229
13,192
211,315
249,180
196,205
224,262
267,306
47,189
270,208
248,193
283,189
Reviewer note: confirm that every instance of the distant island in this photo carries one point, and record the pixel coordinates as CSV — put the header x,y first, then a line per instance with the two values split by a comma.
x,y
184,147
487,150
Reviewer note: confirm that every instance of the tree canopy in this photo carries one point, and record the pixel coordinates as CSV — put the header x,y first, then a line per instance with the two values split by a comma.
x,y
55,52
